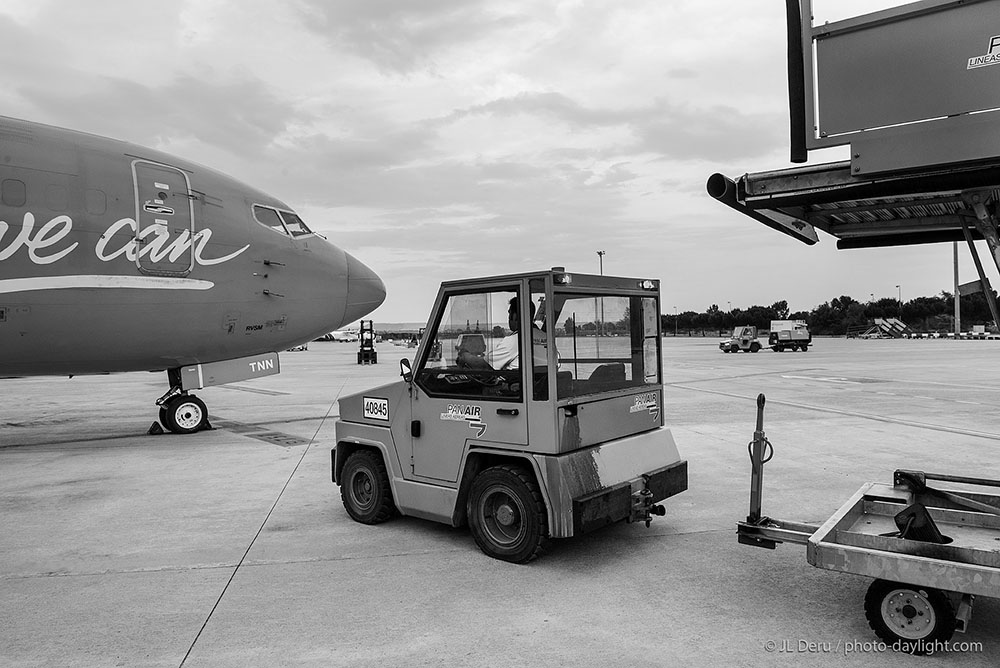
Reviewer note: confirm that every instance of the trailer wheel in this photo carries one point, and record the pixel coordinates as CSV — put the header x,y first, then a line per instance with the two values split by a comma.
x,y
507,515
908,617
365,489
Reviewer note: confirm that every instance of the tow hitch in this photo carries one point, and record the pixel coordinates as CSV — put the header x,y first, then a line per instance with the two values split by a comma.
x,y
643,507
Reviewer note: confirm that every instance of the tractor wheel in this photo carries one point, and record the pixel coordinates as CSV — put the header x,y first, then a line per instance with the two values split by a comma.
x,y
909,617
365,489
754,347
507,515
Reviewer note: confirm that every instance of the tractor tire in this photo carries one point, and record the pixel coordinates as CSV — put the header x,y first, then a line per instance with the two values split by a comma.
x,y
507,514
365,488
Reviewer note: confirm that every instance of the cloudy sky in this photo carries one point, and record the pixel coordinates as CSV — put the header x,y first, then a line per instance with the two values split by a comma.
x,y
440,139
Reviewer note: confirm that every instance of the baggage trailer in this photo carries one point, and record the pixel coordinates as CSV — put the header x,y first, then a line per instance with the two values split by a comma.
x,y
930,549
789,334
523,433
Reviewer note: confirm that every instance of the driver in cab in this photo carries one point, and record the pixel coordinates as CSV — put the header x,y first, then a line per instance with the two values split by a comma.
x,y
504,353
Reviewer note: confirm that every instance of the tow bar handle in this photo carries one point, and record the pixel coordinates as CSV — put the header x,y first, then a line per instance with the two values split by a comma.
x,y
757,460
759,531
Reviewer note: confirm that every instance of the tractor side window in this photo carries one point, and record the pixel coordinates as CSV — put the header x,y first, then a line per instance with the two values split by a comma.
x,y
294,224
268,217
605,343
475,348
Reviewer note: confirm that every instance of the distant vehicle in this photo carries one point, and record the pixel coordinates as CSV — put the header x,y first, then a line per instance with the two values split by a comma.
x,y
790,334
744,338
299,348
115,257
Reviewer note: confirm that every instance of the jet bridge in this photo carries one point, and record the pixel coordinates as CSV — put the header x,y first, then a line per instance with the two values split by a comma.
x,y
914,92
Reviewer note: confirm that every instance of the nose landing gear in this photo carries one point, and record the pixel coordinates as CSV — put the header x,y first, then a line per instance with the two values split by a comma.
x,y
181,412
184,414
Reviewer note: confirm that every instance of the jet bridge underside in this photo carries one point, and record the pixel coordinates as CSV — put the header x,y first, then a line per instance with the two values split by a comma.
x,y
864,212
931,206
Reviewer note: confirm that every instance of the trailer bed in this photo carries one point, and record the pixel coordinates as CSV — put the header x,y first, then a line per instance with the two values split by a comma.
x,y
861,538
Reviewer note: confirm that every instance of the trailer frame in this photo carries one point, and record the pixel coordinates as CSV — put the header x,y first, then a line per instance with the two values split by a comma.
x,y
949,568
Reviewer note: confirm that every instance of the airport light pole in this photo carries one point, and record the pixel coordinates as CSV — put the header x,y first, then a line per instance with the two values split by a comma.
x,y
600,257
899,298
675,322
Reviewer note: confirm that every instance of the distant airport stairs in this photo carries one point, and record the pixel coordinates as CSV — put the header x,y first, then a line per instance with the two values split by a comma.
x,y
881,328
893,327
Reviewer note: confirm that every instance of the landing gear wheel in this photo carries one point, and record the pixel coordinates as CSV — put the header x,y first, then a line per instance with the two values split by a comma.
x,y
365,489
184,414
914,617
507,515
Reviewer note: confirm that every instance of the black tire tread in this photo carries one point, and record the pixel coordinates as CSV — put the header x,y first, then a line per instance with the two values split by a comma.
x,y
537,506
386,507
942,605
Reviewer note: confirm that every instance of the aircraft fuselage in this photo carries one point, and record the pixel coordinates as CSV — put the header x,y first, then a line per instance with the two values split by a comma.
x,y
115,257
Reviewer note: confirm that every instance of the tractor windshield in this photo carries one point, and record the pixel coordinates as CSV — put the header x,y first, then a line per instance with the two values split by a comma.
x,y
606,342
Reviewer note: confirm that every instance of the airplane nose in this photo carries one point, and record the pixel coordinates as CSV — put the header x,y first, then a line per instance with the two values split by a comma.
x,y
365,290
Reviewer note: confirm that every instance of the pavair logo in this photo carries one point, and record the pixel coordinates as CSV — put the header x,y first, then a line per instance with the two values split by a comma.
x,y
991,57
466,413
646,402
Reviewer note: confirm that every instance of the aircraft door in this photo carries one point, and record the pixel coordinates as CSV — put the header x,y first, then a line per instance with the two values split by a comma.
x,y
469,386
164,216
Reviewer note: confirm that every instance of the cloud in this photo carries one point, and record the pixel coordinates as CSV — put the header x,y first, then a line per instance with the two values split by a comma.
x,y
400,35
446,138
238,115
672,131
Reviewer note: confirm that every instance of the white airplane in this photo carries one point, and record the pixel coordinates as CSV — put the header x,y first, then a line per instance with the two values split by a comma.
x,y
345,335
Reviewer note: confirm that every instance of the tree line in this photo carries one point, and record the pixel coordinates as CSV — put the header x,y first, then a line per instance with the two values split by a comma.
x,y
839,315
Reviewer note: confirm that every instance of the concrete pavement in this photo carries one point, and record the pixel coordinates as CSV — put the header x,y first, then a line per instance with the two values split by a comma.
x,y
231,547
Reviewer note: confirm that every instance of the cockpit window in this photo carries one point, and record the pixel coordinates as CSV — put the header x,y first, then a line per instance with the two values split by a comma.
x,y
294,224
269,218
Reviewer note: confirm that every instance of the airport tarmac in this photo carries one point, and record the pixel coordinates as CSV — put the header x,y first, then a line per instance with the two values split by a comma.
x,y
231,547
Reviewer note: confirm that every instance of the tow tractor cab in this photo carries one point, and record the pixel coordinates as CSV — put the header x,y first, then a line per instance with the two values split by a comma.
x,y
525,433
744,338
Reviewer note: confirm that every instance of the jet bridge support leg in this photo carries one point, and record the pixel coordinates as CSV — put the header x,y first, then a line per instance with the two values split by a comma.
x,y
986,225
